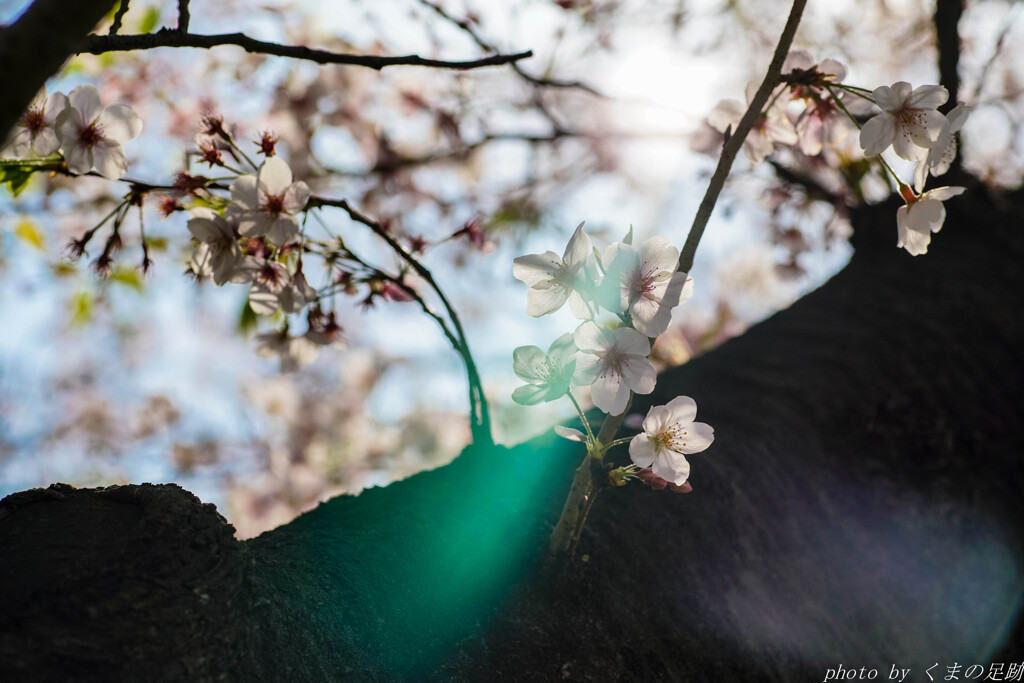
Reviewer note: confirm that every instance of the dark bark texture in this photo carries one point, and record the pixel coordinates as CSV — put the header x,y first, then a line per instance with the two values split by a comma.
x,y
861,505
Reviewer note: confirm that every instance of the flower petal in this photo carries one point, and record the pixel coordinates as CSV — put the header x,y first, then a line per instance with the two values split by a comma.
x,y
528,363
588,367
274,176
639,375
698,438
642,450
296,197
243,191
928,97
681,409
671,466
543,301
579,247
571,434
877,134
528,395
610,393
629,341
534,269
86,100
119,123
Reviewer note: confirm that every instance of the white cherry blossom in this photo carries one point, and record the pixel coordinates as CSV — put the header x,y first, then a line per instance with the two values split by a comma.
x,y
273,288
92,135
940,156
270,202
218,255
921,216
644,282
611,363
553,280
669,435
548,374
771,127
36,130
909,120
293,352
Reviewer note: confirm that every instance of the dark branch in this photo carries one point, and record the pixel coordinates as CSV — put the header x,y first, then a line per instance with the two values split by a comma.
x,y
33,49
183,16
96,44
118,18
947,38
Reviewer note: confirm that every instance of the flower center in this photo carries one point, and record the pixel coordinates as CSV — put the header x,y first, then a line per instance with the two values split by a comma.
x,y
274,205
90,135
673,437
641,283
34,120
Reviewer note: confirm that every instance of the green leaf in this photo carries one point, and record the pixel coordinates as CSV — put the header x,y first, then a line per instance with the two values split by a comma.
x,y
28,232
247,320
149,20
16,176
128,276
211,202
81,308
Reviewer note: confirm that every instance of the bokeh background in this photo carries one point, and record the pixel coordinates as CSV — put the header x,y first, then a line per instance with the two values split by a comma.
x,y
154,378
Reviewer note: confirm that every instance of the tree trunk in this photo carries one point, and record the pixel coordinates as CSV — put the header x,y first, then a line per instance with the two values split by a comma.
x,y
860,507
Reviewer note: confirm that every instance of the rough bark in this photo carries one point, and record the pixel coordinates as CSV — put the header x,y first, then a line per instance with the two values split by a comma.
x,y
33,48
860,506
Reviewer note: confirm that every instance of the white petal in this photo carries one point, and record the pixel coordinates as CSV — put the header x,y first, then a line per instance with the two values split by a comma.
x,y
571,434
69,127
283,229
928,97
657,254
639,375
591,337
698,437
244,192
926,215
296,197
610,393
943,193
528,362
86,99
543,301
657,420
642,450
913,241
878,133
726,114
534,269
274,176
797,59
579,248
119,123
649,317
682,409
629,341
55,104
529,395
562,349
671,466
203,224
109,159
78,158
262,300
46,142
588,367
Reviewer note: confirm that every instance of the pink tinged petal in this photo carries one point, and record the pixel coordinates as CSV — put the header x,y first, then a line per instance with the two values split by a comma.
x,y
55,105
245,270
86,99
528,364
877,134
757,147
529,395
579,248
543,301
810,130
928,97
534,269
296,197
244,192
779,128
610,393
672,467
78,158
797,59
698,437
571,434
681,409
590,337
274,176
833,68
629,341
588,367
639,375
69,127
642,450
120,123
726,114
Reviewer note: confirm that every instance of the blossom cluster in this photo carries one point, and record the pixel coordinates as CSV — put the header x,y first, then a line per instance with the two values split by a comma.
x,y
638,287
813,109
89,135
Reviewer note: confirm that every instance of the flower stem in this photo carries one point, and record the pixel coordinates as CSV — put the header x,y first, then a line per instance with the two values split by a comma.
x,y
583,416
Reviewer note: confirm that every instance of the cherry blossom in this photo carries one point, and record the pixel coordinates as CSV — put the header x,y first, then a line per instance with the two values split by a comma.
x,y
270,202
35,131
940,156
571,434
645,282
921,216
771,127
611,363
669,435
92,135
553,280
909,120
801,70
218,254
273,288
548,374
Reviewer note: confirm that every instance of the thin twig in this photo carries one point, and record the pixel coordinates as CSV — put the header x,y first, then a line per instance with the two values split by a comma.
x,y
97,44
119,17
183,16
